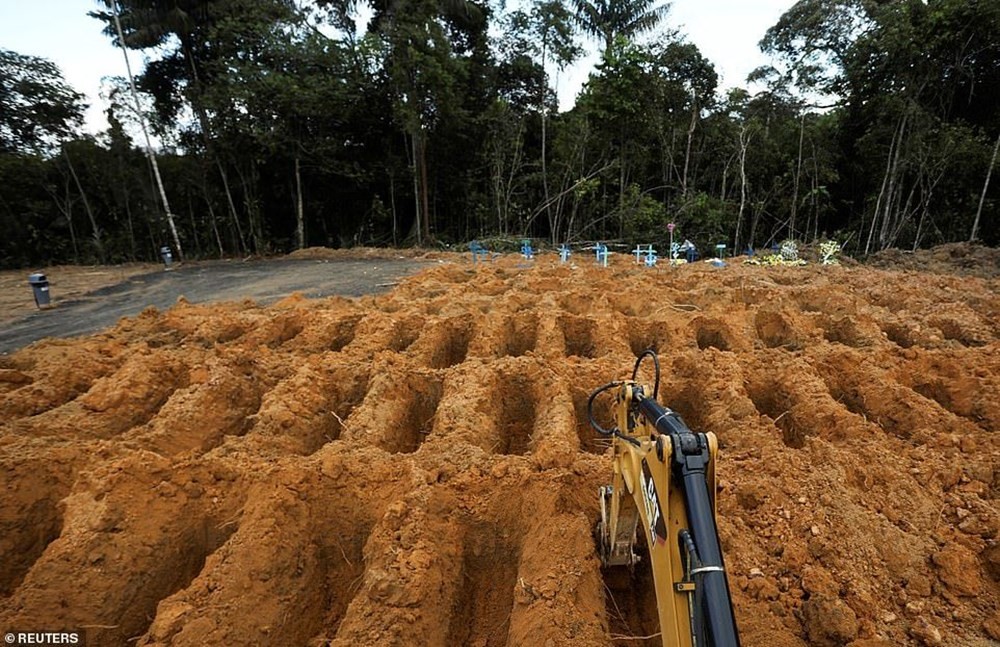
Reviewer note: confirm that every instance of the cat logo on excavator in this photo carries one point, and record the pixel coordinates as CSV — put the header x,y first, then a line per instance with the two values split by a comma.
x,y
657,528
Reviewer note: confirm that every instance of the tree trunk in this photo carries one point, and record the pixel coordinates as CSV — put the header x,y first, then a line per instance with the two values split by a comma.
x,y
982,197
744,145
795,189
66,211
131,228
815,190
545,171
194,228
166,205
497,172
725,179
69,219
416,190
904,214
392,202
515,166
232,206
687,153
86,205
621,184
885,183
923,216
215,227
300,228
424,189
895,189
206,135
674,171
248,184
145,134
754,221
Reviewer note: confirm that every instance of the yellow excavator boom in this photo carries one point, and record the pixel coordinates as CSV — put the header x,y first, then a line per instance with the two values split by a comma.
x,y
663,485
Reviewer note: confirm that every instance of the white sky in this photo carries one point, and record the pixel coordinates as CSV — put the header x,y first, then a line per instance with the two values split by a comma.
x,y
726,32
61,31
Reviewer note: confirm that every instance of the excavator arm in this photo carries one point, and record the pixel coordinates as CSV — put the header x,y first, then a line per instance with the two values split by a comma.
x,y
663,485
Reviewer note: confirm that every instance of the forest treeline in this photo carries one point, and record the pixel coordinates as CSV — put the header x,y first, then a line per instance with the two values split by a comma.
x,y
282,124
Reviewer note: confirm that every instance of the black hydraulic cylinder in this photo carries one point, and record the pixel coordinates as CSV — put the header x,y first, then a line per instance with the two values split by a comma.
x,y
688,468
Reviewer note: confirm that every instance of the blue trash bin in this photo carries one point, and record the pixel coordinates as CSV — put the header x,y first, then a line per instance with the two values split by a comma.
x,y
40,285
167,255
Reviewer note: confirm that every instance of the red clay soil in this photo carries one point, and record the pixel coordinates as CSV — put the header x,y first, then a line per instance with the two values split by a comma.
x,y
416,469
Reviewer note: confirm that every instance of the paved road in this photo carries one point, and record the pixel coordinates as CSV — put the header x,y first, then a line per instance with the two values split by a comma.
x,y
263,281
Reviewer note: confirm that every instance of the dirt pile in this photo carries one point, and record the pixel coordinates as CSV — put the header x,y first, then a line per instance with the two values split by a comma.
x,y
965,259
416,468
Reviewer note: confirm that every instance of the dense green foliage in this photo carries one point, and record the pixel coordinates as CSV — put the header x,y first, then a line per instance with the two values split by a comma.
x,y
283,125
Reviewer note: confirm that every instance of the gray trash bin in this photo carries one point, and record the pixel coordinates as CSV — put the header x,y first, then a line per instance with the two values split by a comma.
x,y
167,255
40,285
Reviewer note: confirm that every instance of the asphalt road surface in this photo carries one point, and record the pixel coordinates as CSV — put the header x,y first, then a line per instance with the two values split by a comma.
x,y
263,281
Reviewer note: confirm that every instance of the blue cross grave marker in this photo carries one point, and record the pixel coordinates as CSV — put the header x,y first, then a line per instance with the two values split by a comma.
x,y
602,254
477,249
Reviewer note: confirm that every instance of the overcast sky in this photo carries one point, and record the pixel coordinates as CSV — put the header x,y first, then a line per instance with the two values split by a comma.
x,y
726,32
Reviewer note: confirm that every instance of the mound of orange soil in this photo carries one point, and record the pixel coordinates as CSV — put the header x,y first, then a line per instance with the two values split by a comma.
x,y
954,258
416,468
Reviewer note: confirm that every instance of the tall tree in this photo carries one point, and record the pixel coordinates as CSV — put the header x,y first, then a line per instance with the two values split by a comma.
x,y
607,20
287,89
424,74
549,30
145,133
39,111
182,30
37,107
911,79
